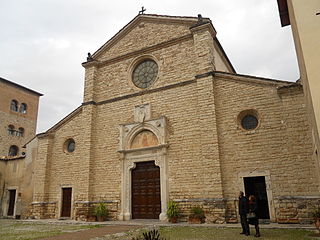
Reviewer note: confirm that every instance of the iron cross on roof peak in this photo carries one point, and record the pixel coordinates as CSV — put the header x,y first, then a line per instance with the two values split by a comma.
x,y
142,10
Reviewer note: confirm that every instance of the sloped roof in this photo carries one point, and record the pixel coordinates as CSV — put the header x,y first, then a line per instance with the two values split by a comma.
x,y
19,86
66,119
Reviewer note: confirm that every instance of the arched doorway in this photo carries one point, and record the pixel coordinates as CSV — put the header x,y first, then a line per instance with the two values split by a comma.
x,y
145,189
144,168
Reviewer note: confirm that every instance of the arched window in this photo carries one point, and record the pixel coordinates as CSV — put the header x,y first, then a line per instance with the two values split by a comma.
x,y
11,130
23,108
14,105
20,132
13,150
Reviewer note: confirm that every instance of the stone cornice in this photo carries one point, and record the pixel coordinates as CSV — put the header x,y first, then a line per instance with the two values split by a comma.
x,y
140,93
204,27
93,202
294,87
144,149
138,52
200,200
11,158
297,197
250,79
44,135
43,203
90,63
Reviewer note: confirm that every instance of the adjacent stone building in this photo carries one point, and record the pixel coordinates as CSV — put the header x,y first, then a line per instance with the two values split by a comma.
x,y
166,117
18,120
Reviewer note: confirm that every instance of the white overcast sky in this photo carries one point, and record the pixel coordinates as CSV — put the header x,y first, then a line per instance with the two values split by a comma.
x,y
44,42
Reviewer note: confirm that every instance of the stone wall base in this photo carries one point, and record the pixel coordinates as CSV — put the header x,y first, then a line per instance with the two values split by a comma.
x,y
214,209
84,210
295,209
287,209
43,210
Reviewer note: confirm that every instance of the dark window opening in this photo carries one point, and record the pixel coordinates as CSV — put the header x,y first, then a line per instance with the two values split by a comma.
x,y
14,105
13,150
20,132
23,108
249,122
11,130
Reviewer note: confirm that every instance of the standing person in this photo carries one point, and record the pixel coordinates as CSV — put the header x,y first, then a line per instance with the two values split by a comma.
x,y
253,211
243,210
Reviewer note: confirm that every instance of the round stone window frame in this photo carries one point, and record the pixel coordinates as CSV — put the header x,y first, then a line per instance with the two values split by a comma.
x,y
66,145
138,61
245,113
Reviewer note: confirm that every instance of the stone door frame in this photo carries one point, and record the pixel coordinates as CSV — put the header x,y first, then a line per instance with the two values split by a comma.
x,y
60,202
129,157
267,176
129,160
7,199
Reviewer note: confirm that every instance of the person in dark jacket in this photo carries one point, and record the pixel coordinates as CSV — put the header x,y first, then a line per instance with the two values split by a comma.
x,y
253,209
243,210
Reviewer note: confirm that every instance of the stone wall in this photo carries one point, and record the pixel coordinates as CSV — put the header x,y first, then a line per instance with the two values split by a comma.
x,y
8,117
279,149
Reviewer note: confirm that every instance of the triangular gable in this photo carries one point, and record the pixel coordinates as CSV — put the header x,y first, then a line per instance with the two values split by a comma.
x,y
143,31
148,30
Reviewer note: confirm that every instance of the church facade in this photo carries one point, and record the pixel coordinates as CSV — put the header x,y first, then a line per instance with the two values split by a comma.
x,y
166,117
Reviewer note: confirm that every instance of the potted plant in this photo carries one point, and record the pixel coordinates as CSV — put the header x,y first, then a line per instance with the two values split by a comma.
x,y
196,215
316,217
101,212
91,216
173,212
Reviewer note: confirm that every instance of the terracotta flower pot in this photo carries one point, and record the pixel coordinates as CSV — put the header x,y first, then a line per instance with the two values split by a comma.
x,y
91,219
173,220
101,218
195,220
317,224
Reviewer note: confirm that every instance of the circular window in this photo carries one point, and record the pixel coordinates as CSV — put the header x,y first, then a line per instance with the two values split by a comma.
x,y
70,145
145,73
249,122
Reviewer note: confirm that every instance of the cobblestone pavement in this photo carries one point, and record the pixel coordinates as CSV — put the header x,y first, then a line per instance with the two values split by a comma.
x,y
116,229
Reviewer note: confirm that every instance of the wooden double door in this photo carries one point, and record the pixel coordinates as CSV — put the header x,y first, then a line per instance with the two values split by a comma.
x,y
145,189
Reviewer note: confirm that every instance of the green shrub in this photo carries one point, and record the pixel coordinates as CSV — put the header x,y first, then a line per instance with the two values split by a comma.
x,y
316,213
100,210
173,210
150,235
197,212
